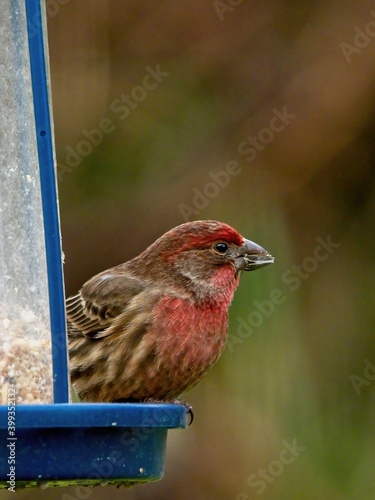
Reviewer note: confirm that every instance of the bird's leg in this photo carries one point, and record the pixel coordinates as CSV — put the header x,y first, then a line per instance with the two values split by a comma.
x,y
188,406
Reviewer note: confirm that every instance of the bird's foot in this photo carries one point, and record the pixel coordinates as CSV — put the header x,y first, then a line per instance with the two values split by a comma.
x,y
188,406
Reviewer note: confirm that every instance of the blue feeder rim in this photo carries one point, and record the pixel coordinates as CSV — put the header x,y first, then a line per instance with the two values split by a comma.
x,y
62,443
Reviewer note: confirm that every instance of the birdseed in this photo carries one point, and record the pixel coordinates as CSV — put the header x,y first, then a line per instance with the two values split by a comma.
x,y
25,356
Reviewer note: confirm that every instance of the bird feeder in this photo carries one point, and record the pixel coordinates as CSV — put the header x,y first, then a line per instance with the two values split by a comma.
x,y
44,438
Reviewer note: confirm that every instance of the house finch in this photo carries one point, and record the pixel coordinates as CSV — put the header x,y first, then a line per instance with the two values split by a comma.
x,y
152,327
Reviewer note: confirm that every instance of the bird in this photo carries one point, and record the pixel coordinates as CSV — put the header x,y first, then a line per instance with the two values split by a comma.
x,y
151,328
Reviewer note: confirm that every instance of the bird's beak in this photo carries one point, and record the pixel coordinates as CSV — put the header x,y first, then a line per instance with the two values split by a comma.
x,y
252,256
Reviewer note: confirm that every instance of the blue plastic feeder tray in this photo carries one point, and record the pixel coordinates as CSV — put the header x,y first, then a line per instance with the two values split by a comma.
x,y
86,444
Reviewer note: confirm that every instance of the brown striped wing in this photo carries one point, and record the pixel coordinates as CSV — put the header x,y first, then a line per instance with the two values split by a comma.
x,y
101,300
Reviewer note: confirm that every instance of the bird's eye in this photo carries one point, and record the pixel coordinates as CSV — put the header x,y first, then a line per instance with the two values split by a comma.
x,y
221,247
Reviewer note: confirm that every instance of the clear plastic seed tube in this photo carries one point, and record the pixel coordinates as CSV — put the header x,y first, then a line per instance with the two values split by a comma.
x,y
25,338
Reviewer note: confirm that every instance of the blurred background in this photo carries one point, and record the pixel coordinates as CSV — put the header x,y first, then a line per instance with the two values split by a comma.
x,y
261,115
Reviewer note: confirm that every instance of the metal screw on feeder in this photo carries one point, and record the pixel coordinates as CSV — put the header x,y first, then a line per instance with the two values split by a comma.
x,y
48,439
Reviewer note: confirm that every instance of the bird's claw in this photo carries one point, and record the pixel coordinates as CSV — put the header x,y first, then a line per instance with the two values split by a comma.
x,y
188,406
